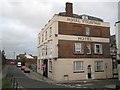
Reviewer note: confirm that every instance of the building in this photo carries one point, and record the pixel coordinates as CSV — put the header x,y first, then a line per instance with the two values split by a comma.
x,y
117,26
30,61
74,47
113,53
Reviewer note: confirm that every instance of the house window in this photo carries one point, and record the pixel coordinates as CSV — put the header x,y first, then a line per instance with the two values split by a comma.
x,y
50,65
39,40
99,66
46,35
78,48
46,49
87,31
88,46
42,51
50,32
42,37
78,66
98,49
50,47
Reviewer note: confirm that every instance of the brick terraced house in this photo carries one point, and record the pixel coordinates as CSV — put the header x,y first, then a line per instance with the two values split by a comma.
x,y
74,47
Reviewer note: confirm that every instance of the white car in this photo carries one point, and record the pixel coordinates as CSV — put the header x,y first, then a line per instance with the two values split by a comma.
x,y
18,64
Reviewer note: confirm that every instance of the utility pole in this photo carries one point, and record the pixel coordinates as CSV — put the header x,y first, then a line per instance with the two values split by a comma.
x,y
14,55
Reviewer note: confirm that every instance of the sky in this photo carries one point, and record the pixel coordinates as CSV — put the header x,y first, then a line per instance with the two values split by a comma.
x,y
22,20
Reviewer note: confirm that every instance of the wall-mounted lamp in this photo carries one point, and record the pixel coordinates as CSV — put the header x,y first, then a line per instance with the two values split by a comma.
x,y
56,35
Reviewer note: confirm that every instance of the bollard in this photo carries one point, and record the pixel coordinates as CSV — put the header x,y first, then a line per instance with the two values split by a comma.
x,y
16,85
13,83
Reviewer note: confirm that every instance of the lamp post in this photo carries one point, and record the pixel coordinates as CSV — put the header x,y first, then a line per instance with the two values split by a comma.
x,y
14,55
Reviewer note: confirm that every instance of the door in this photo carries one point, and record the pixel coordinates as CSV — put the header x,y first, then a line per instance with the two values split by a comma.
x,y
45,68
89,71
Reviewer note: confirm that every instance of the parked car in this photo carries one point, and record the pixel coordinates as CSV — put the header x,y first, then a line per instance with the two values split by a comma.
x,y
118,85
27,70
12,62
18,64
23,67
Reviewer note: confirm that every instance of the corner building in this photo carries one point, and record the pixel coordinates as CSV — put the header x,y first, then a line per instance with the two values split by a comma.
x,y
74,47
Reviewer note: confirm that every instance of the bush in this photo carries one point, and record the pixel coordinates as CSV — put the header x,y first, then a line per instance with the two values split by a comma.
x,y
29,66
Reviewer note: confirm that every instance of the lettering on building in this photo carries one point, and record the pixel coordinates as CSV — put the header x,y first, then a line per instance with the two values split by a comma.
x,y
84,21
84,38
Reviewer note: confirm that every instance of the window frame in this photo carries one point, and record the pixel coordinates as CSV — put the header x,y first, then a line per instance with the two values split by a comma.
x,y
99,66
50,34
50,66
78,68
78,48
87,31
100,49
89,48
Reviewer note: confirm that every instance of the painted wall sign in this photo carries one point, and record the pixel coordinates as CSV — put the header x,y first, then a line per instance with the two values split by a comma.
x,y
84,38
84,21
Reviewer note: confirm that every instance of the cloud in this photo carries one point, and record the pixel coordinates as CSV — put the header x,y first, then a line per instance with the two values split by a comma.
x,y
22,20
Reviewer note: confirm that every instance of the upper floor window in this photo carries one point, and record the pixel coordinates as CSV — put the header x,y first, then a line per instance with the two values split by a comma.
x,y
50,32
87,31
42,37
78,48
98,49
88,46
46,35
39,40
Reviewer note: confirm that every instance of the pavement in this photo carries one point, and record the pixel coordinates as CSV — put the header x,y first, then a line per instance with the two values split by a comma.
x,y
39,77
3,73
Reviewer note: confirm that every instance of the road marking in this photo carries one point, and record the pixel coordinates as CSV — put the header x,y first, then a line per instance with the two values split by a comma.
x,y
78,85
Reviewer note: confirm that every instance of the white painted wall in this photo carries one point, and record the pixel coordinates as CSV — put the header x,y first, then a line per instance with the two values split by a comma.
x,y
118,39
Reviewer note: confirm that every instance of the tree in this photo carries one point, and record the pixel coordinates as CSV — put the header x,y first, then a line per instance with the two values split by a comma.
x,y
3,58
23,61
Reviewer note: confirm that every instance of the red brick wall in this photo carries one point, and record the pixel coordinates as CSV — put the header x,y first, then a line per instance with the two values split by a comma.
x,y
79,30
66,50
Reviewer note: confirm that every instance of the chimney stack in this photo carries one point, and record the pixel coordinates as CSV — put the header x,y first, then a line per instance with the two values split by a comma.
x,y
69,9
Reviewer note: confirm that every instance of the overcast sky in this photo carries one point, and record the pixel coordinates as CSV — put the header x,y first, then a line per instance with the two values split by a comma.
x,y
22,20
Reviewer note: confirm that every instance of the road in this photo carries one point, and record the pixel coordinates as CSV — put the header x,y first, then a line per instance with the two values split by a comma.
x,y
26,82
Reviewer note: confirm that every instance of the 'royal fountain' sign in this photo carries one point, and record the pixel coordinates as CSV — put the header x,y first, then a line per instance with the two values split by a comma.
x,y
84,21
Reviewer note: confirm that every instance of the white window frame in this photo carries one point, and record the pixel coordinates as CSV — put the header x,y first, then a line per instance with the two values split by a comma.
x,y
50,65
78,66
88,46
45,35
50,34
78,48
39,40
99,66
100,49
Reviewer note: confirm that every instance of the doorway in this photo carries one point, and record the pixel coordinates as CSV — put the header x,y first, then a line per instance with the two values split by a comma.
x,y
89,71
45,73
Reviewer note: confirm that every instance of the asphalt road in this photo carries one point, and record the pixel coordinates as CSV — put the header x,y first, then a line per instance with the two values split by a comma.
x,y
26,82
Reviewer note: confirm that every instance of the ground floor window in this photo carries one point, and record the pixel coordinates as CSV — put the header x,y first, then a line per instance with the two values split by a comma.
x,y
99,66
78,66
50,66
